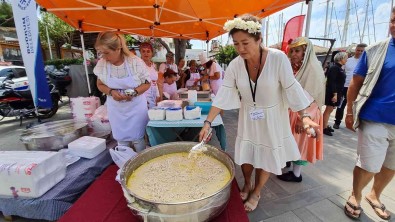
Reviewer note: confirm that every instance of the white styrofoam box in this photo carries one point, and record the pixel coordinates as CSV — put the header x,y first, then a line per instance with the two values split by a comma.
x,y
87,146
29,174
174,114
192,113
157,114
170,103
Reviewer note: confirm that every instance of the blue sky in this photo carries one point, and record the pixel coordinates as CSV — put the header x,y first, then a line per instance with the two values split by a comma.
x,y
379,13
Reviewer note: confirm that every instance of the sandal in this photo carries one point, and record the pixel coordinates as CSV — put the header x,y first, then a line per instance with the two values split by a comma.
x,y
251,203
377,207
355,208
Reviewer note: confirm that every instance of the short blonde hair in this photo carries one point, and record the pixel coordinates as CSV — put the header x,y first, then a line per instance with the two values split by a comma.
x,y
113,41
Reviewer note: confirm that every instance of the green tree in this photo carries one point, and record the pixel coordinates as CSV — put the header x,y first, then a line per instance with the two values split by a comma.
x,y
226,54
130,40
59,32
6,16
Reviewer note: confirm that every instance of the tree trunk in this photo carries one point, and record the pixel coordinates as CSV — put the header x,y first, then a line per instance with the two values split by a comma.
x,y
164,44
180,46
58,45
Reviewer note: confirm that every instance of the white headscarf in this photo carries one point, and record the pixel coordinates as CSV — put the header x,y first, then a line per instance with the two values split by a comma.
x,y
310,75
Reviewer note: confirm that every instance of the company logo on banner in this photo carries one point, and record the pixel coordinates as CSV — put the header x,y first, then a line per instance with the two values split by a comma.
x,y
26,23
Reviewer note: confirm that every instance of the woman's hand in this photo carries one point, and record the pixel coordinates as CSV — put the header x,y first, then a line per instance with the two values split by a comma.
x,y
307,124
117,96
203,132
350,121
334,99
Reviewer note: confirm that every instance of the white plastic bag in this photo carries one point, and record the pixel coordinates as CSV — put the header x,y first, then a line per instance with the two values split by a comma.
x,y
121,154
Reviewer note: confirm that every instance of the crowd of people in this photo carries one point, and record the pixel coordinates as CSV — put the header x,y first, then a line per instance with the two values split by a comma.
x,y
281,121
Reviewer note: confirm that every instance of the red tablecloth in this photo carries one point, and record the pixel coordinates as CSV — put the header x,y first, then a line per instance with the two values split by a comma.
x,y
104,201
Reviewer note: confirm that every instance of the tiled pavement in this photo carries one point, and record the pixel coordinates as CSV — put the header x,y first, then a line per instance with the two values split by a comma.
x,y
319,197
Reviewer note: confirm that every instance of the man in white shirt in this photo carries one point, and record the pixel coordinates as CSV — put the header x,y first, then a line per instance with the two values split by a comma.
x,y
169,64
349,69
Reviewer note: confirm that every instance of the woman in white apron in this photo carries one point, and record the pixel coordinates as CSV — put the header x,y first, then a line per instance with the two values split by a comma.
x,y
169,86
152,94
214,72
124,78
192,75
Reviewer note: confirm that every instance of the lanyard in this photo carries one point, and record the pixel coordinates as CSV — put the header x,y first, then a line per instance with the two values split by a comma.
x,y
253,91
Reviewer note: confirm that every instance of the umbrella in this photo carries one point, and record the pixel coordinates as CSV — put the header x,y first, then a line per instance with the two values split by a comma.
x,y
186,19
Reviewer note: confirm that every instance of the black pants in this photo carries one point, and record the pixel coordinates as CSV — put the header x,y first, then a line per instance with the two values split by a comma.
x,y
340,111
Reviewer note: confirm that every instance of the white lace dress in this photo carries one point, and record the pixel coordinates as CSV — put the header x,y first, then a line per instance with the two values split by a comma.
x,y
265,143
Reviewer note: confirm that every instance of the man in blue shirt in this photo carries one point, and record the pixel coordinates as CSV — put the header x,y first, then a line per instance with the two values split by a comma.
x,y
376,131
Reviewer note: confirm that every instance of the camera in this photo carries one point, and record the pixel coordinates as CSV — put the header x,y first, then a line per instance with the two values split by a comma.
x,y
130,92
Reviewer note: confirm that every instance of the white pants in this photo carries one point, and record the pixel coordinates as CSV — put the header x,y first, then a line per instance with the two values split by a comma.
x,y
138,145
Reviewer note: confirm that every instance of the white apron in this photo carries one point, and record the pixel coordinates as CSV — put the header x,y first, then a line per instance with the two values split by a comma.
x,y
153,91
170,89
191,81
215,84
128,119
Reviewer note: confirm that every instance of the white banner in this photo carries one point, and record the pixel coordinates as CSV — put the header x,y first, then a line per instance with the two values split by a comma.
x,y
26,23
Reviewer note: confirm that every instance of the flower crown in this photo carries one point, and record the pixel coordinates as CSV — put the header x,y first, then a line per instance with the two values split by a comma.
x,y
238,23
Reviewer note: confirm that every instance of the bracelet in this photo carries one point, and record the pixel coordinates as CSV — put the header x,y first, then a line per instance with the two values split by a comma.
x,y
349,114
305,115
206,121
109,92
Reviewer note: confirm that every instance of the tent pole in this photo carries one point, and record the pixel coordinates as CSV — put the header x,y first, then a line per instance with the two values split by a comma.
x,y
309,9
49,42
85,65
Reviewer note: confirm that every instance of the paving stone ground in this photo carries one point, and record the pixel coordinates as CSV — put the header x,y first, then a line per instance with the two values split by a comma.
x,y
320,196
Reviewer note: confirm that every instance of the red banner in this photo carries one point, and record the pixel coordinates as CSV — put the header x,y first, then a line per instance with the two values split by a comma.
x,y
292,30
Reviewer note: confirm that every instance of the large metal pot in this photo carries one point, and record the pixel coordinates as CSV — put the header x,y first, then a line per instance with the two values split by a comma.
x,y
193,211
54,135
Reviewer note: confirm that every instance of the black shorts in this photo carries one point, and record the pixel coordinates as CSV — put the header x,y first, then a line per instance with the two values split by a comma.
x,y
328,99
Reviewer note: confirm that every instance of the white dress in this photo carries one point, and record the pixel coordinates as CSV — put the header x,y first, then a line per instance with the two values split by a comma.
x,y
265,143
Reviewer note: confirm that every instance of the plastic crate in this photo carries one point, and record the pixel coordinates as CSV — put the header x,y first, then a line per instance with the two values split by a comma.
x,y
205,106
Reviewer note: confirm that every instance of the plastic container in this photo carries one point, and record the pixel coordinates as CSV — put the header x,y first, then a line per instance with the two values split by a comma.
x,y
87,146
205,106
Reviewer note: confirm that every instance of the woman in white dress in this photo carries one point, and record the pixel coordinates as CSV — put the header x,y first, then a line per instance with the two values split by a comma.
x,y
124,78
152,94
264,140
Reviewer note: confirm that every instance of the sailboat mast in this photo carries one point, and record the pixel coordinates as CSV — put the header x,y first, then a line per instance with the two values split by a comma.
x,y
374,25
356,14
326,22
366,19
308,19
346,22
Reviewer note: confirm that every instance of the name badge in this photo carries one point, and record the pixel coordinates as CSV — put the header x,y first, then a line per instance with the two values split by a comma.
x,y
257,114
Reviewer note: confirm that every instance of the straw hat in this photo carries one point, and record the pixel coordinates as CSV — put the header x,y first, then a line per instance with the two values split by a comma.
x,y
203,59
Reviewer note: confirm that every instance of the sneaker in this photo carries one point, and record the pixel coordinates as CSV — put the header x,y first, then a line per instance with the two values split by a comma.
x,y
330,129
336,126
290,177
328,132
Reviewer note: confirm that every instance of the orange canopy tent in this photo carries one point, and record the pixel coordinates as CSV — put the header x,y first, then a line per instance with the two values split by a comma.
x,y
187,19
